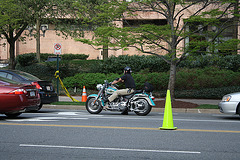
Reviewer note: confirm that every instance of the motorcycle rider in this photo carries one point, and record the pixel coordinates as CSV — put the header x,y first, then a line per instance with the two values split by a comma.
x,y
129,86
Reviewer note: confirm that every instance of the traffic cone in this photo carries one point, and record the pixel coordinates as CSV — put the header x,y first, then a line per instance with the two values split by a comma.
x,y
168,118
84,95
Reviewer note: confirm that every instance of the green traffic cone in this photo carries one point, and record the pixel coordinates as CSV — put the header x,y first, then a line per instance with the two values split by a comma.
x,y
168,118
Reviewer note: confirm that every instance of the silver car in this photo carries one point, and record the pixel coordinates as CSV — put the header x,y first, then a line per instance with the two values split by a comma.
x,y
230,103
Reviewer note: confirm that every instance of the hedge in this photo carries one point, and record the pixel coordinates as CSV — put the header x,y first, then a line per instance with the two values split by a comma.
x,y
156,64
206,93
197,77
230,62
188,79
26,59
137,63
30,58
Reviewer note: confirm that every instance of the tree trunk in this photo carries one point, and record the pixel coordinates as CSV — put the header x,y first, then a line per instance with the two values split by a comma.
x,y
105,52
11,41
38,40
172,80
12,63
235,22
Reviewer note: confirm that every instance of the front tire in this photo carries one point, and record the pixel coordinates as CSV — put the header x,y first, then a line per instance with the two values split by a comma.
x,y
238,109
14,115
143,107
39,107
93,108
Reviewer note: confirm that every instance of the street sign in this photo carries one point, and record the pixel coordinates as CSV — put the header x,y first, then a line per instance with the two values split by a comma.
x,y
57,48
57,51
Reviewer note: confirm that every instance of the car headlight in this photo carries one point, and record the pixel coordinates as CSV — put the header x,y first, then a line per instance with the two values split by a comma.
x,y
226,98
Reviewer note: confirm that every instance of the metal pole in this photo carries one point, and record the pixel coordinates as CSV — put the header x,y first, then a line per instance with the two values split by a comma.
x,y
58,75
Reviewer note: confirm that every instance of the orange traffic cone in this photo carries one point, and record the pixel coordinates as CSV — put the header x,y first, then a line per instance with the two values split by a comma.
x,y
84,95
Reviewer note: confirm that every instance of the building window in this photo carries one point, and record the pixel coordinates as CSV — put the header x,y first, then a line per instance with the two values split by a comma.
x,y
138,22
201,35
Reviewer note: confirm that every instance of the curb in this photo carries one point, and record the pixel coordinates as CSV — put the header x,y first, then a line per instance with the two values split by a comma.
x,y
154,109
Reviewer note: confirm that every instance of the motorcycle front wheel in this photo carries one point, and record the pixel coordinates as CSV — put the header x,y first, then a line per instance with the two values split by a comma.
x,y
143,108
93,108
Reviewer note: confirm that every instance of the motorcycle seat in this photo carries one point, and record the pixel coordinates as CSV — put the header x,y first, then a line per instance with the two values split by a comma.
x,y
130,95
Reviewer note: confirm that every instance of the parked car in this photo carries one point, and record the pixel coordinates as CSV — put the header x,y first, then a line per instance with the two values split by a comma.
x,y
15,97
230,103
53,58
45,88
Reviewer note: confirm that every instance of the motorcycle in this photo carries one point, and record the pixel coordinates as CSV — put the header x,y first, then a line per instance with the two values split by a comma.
x,y
140,101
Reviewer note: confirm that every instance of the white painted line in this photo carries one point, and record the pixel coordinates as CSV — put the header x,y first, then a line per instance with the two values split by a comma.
x,y
146,118
68,113
226,115
196,120
42,119
110,149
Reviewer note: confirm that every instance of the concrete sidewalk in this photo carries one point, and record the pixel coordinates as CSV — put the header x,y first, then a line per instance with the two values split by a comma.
x,y
154,109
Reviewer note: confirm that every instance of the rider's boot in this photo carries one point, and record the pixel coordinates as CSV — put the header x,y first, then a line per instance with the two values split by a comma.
x,y
125,111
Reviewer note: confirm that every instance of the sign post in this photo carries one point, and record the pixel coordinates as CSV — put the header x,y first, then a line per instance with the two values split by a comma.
x,y
57,51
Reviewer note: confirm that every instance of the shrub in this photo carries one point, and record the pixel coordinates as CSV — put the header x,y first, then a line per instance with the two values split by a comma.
x,y
207,93
30,58
65,69
230,62
199,61
137,63
210,77
74,56
44,56
190,83
26,59
39,70
89,80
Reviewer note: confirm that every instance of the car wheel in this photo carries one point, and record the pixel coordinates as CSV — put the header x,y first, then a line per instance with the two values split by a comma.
x,y
12,115
40,106
238,109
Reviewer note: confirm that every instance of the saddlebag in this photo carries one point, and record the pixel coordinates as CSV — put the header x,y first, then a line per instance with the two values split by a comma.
x,y
148,87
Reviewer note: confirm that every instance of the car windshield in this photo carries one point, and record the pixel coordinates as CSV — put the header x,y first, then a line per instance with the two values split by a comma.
x,y
26,75
6,80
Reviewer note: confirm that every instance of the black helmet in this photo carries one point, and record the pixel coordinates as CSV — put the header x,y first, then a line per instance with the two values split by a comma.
x,y
127,69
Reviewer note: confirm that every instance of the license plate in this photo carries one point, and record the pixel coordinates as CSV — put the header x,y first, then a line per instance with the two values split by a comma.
x,y
48,88
32,94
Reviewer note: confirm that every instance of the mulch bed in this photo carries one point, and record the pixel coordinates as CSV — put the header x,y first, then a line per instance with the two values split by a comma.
x,y
176,104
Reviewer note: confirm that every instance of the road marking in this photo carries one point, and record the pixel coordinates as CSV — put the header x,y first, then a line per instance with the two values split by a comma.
x,y
109,149
68,113
42,119
114,127
203,130
146,118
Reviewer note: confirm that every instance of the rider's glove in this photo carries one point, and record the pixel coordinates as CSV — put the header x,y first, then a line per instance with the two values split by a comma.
x,y
110,83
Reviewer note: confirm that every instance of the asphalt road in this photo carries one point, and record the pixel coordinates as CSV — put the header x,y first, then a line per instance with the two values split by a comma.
x,y
196,101
75,134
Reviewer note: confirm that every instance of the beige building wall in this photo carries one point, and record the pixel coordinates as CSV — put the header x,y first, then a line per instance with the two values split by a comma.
x,y
71,46
4,49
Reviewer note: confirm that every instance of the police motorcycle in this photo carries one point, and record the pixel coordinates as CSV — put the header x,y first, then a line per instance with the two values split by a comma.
x,y
140,101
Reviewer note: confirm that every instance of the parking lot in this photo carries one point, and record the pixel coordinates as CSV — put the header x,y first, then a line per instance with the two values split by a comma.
x,y
76,134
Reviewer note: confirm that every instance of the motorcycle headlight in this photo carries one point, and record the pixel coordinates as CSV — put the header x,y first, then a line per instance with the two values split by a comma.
x,y
99,86
226,98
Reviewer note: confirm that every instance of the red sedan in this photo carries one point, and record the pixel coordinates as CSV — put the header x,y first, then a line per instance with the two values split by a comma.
x,y
15,98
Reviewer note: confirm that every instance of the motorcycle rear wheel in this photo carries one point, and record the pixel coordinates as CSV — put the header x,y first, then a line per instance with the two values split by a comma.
x,y
144,107
91,108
